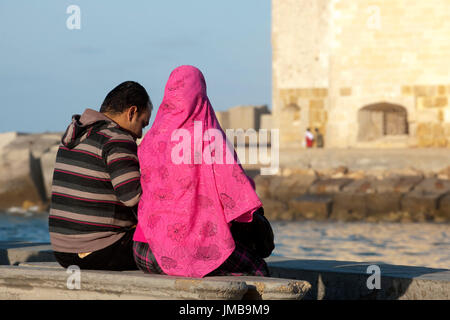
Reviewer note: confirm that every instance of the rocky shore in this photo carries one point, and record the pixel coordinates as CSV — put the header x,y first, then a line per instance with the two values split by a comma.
x,y
26,169
341,195
307,187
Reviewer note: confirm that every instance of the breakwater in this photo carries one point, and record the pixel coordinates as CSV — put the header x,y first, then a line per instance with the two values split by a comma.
x,y
343,195
26,169
336,185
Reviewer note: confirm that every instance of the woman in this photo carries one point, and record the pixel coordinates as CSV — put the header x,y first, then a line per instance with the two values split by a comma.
x,y
193,189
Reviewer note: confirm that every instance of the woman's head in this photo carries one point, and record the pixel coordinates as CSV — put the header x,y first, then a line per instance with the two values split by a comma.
x,y
185,87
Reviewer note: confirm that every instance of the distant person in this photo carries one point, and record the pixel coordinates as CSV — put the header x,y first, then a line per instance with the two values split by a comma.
x,y
96,183
309,138
196,218
319,139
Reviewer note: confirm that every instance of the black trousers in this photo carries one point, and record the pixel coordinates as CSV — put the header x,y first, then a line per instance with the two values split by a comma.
x,y
116,257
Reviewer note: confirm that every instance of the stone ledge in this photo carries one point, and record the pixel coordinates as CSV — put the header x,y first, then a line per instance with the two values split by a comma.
x,y
329,279
259,288
48,280
15,252
18,282
347,280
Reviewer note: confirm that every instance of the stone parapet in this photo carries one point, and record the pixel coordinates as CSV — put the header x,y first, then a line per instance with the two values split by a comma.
x,y
291,279
348,280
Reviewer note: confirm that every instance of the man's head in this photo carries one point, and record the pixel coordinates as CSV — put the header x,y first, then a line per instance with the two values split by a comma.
x,y
129,105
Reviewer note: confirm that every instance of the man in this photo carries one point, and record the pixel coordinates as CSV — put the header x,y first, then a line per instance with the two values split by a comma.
x,y
319,138
96,183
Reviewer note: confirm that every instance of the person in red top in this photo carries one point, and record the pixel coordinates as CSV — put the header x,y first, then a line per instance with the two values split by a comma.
x,y
309,137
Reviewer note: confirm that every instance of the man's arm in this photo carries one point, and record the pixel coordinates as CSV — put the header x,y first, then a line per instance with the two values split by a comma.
x,y
123,167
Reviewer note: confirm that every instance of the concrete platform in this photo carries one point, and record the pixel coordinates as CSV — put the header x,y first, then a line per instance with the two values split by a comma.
x,y
48,280
347,280
31,283
14,252
27,278
367,159
291,279
258,288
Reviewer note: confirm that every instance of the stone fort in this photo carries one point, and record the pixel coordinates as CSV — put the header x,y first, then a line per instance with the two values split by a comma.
x,y
366,73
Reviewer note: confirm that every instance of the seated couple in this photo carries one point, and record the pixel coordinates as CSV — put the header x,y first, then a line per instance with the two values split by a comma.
x,y
116,206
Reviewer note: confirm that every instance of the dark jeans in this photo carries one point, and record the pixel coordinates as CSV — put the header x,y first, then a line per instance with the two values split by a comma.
x,y
116,257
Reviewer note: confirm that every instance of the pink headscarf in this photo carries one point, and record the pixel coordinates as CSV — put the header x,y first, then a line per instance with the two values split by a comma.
x,y
185,208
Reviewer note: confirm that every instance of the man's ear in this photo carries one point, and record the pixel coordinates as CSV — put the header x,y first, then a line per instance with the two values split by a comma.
x,y
132,111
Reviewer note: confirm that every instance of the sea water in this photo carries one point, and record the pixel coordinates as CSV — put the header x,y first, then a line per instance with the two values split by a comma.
x,y
419,244
24,226
415,244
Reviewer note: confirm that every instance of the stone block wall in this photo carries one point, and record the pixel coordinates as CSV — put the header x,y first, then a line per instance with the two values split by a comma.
x,y
433,108
311,195
301,109
248,119
26,169
223,118
362,53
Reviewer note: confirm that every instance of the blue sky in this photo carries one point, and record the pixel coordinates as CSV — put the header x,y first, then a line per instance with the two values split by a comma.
x,y
48,72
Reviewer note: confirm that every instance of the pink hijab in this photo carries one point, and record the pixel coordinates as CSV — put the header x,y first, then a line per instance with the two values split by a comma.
x,y
185,209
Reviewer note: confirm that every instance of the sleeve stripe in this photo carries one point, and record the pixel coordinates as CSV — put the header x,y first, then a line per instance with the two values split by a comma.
x,y
125,182
125,177
120,140
130,158
134,201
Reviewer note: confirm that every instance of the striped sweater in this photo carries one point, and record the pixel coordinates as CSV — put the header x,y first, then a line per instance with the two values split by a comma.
x,y
96,185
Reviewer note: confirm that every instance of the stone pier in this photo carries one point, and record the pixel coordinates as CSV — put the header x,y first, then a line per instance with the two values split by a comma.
x,y
28,271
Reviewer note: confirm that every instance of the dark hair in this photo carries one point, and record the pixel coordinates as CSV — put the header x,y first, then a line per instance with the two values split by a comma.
x,y
125,95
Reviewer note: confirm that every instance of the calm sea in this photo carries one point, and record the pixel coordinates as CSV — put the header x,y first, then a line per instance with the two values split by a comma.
x,y
25,226
420,244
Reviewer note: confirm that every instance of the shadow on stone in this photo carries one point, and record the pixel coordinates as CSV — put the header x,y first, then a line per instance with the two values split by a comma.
x,y
16,252
4,260
341,280
37,177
